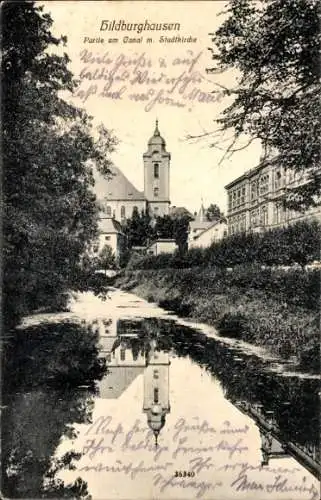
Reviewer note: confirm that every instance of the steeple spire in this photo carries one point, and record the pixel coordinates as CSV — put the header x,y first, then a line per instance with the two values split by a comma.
x,y
156,133
156,438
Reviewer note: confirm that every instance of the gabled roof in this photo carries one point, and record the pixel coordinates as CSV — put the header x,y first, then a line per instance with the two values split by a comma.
x,y
118,187
109,225
210,226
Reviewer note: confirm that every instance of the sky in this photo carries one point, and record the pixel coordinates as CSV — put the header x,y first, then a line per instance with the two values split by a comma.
x,y
128,83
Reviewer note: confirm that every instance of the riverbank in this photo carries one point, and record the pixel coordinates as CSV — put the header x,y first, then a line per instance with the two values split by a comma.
x,y
273,308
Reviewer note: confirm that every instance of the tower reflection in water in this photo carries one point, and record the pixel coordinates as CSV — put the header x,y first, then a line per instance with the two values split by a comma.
x,y
128,353
156,388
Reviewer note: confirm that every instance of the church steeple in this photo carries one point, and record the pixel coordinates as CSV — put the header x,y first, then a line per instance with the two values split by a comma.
x,y
156,174
156,140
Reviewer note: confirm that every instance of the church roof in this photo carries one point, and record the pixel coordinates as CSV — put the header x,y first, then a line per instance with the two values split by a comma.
x,y
118,187
109,225
179,211
118,380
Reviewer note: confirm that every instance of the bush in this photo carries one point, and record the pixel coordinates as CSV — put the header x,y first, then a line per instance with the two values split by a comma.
x,y
295,244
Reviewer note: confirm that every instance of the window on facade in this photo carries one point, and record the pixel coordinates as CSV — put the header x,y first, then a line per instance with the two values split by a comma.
x,y
277,179
156,395
254,218
254,190
234,199
135,210
264,216
156,192
122,212
242,199
264,184
123,354
156,374
108,211
107,238
156,170
156,210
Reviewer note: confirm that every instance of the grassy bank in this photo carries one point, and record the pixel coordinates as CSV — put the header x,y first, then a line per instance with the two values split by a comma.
x,y
274,308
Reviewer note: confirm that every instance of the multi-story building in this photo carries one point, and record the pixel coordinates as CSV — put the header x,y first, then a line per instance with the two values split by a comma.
x,y
256,199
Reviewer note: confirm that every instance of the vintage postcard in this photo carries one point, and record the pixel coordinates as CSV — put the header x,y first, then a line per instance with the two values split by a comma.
x,y
161,250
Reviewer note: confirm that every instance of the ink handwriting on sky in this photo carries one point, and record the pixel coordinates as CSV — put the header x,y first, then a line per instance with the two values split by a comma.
x,y
179,82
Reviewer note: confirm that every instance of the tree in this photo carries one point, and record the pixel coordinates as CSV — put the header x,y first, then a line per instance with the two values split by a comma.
x,y
274,45
106,258
164,227
138,229
50,212
213,212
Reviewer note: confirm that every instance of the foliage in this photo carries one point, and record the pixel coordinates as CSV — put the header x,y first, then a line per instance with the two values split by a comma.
x,y
296,244
138,229
213,212
50,211
174,228
274,308
274,45
106,258
141,229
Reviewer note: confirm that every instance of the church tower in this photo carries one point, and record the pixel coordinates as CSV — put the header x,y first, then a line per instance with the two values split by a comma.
x,y
156,175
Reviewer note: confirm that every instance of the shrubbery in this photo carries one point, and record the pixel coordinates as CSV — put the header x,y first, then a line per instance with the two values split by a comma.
x,y
296,244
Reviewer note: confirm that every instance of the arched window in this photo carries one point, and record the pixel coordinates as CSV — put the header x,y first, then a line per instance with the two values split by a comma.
x,y
156,192
122,212
108,210
156,170
156,395
135,210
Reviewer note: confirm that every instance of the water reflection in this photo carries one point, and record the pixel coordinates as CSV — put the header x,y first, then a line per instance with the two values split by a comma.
x,y
64,376
156,388
286,410
130,350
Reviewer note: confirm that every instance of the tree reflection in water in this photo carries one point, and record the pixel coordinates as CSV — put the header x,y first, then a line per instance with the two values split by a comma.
x,y
43,369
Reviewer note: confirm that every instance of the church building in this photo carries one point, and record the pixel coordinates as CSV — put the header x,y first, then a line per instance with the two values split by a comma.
x,y
119,198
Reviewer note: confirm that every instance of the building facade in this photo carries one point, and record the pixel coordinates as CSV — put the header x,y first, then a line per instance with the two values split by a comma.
x,y
162,246
111,234
255,199
202,232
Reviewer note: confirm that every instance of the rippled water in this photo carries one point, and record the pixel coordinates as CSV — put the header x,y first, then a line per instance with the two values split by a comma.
x,y
118,399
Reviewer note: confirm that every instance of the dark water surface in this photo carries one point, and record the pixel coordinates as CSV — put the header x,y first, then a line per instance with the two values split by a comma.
x,y
119,400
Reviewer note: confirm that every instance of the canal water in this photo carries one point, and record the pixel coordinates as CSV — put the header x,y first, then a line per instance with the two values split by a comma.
x,y
118,399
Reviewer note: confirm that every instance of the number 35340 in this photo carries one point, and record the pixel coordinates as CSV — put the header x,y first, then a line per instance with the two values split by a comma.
x,y
184,473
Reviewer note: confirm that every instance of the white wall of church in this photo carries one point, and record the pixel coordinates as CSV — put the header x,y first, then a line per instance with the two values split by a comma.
x,y
123,209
